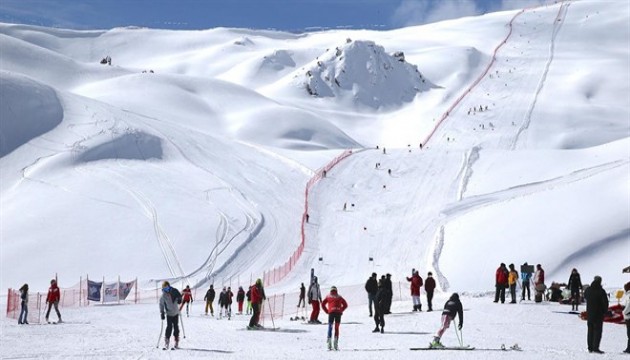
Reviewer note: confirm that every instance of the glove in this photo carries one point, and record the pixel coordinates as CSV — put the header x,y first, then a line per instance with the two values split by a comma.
x,y
460,326
162,316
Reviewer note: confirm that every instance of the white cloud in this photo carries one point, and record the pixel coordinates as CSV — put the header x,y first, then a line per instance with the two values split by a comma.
x,y
416,12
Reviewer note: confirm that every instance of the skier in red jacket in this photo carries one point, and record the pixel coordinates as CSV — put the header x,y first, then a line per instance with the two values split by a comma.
x,y
186,298
501,278
258,295
53,299
416,283
334,305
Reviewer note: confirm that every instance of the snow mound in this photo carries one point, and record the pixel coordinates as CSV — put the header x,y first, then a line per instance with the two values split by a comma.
x,y
28,109
136,145
364,70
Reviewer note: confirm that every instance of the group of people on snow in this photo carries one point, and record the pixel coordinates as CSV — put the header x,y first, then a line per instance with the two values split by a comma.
x,y
508,279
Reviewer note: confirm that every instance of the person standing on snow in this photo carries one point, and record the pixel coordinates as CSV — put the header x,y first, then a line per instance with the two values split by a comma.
x,y
380,305
429,287
525,277
575,285
52,299
240,298
539,283
186,298
223,302
596,308
334,305
248,295
371,287
169,309
314,298
229,296
452,307
209,298
416,284
501,282
258,295
22,319
302,299
389,294
512,279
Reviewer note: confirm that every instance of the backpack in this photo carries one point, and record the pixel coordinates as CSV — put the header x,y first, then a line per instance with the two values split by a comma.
x,y
176,296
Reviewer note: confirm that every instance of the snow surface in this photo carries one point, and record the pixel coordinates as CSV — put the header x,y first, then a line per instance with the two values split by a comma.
x,y
196,172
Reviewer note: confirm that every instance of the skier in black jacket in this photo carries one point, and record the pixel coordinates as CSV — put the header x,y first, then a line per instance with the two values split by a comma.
x,y
371,286
209,298
452,308
575,284
380,306
596,308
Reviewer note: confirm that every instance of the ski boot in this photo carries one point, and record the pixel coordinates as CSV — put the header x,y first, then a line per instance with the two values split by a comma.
x,y
382,329
376,329
329,343
176,343
336,344
166,343
436,343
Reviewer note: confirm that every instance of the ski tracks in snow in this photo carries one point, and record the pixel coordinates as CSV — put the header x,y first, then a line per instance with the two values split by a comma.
x,y
557,25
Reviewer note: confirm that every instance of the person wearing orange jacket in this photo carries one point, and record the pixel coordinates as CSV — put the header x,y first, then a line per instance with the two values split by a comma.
x,y
53,299
501,282
334,305
512,279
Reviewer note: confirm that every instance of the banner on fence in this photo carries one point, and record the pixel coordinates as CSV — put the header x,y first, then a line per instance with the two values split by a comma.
x,y
117,290
94,290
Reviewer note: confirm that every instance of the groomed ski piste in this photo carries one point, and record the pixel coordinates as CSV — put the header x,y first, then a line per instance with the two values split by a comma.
x,y
196,173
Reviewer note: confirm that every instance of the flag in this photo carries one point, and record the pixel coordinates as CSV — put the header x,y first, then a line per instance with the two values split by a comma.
x,y
94,290
110,292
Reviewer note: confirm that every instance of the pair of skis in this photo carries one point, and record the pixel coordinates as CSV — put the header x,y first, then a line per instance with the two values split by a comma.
x,y
514,347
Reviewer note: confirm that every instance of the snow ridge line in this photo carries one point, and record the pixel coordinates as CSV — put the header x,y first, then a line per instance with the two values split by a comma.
x,y
467,170
557,25
477,81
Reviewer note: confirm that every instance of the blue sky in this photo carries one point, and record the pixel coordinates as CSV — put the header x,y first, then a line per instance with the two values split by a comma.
x,y
289,15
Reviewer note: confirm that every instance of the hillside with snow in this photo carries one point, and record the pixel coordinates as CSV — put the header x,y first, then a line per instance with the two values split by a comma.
x,y
188,157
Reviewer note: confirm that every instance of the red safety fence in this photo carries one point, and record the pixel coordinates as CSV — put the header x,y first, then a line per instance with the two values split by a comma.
x,y
275,275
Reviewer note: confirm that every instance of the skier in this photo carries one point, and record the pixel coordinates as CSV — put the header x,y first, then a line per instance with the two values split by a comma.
x,y
371,286
23,319
575,285
626,315
223,302
248,295
169,309
187,299
389,293
452,307
539,283
302,299
525,277
596,307
512,279
258,295
379,308
209,298
314,298
429,287
334,305
52,299
416,284
229,297
240,298
501,282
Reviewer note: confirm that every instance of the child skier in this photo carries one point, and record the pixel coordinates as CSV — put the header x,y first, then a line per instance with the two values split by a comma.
x,y
334,305
186,299
452,307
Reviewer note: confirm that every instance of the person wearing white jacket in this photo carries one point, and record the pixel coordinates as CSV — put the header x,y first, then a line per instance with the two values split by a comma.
x,y
626,315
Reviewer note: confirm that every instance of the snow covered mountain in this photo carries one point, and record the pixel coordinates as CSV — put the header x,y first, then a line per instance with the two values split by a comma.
x,y
188,157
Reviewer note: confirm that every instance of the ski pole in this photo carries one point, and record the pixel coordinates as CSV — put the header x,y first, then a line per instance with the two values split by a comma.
x,y
181,319
160,337
271,315
459,339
